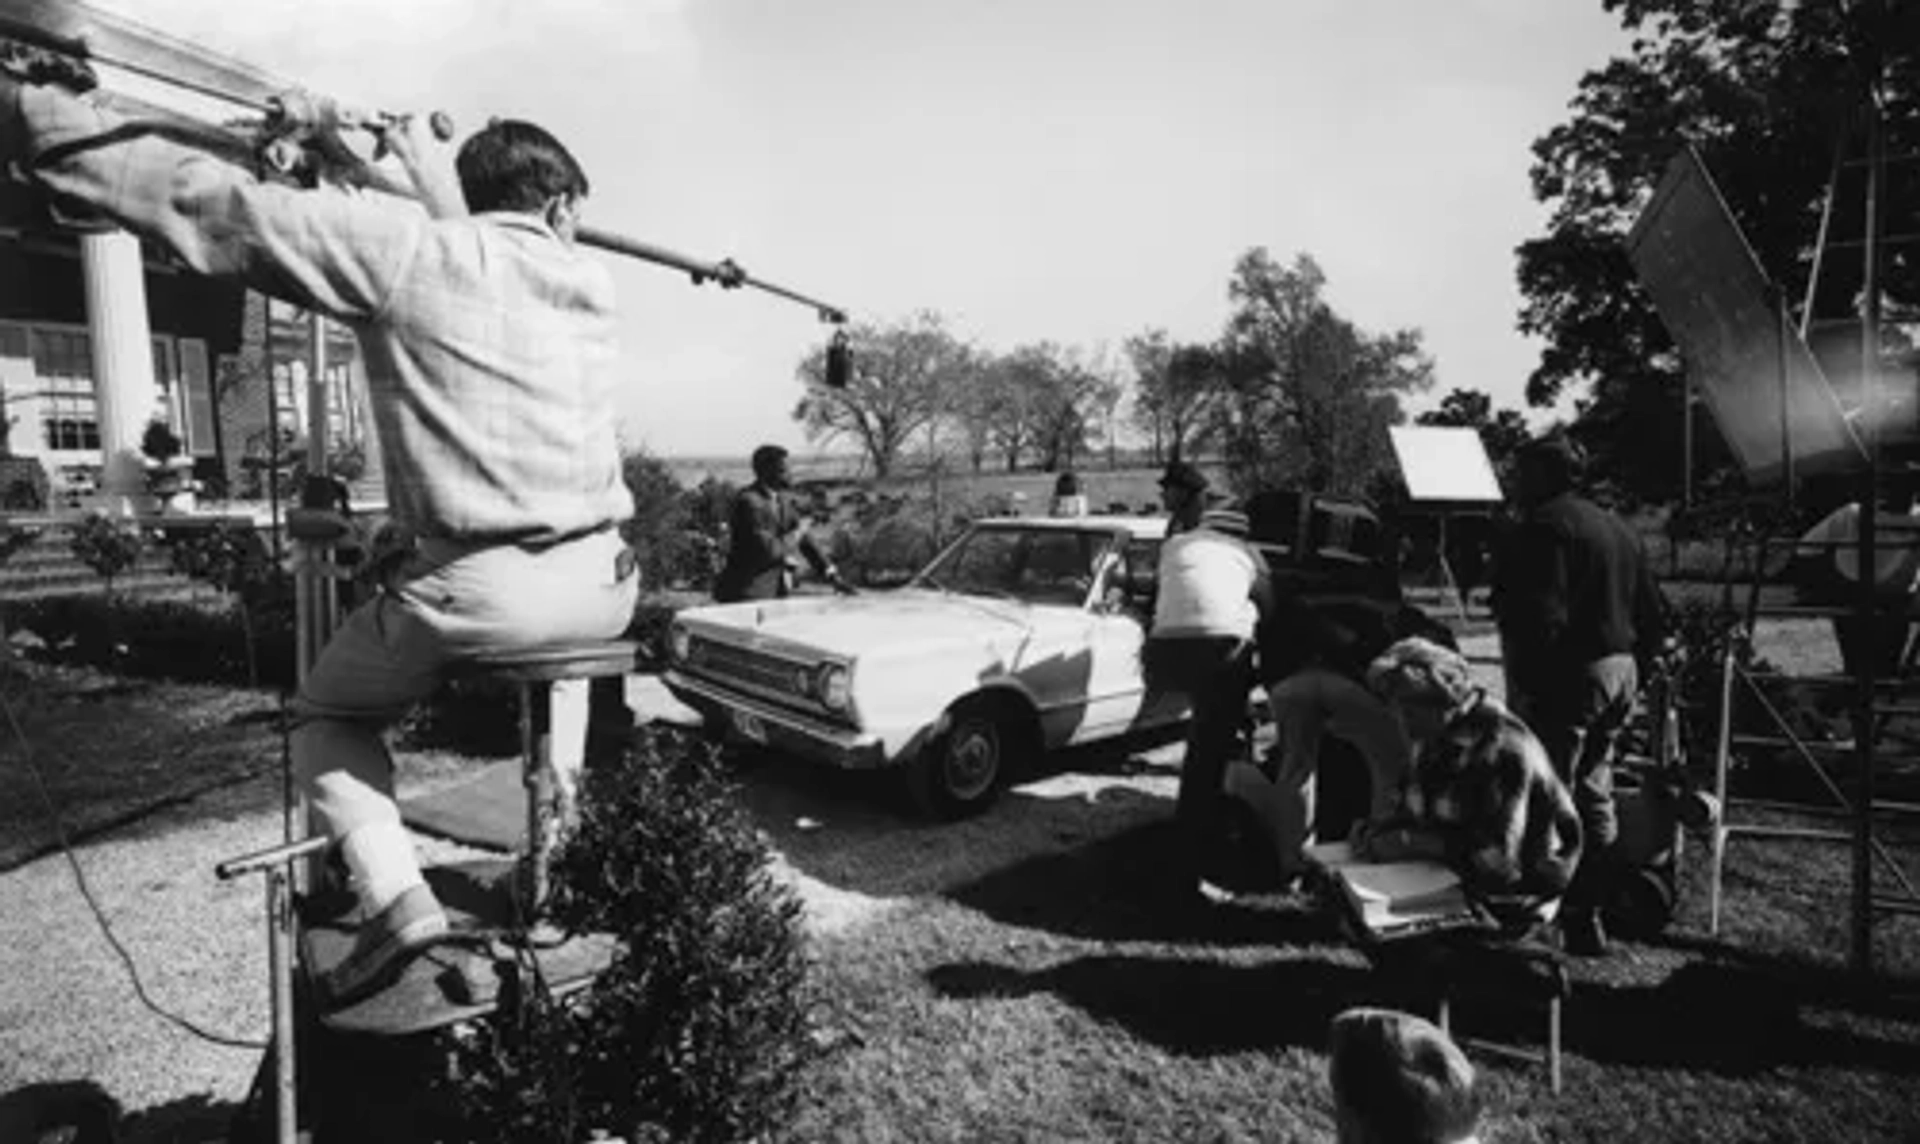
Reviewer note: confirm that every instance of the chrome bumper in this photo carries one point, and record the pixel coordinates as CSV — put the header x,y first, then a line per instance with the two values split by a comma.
x,y
745,719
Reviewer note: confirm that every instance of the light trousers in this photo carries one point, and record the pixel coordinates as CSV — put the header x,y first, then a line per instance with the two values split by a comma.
x,y
1308,707
450,602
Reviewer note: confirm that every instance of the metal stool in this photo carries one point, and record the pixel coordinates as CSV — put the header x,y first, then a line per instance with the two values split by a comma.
x,y
1514,971
554,685
554,688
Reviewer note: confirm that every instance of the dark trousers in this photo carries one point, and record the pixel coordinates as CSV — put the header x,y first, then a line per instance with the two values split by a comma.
x,y
1578,717
1215,674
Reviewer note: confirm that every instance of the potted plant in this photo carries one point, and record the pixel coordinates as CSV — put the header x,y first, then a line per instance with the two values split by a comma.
x,y
168,467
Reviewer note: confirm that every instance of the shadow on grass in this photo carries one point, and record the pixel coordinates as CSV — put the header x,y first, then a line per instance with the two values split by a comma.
x,y
856,831
1190,1007
1808,977
81,1112
1733,1020
1119,887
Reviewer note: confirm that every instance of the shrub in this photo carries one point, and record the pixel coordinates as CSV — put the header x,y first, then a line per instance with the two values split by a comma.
x,y
165,639
699,1029
658,531
107,546
24,486
160,442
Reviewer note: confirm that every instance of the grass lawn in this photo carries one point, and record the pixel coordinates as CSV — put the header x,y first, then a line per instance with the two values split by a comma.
x,y
1048,1001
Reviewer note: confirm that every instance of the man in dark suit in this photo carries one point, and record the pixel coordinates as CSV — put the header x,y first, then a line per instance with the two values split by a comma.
x,y
768,537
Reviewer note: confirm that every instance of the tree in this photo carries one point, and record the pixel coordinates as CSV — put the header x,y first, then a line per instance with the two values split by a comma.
x,y
1174,386
974,406
1065,397
902,375
1305,395
1764,91
1502,432
1016,387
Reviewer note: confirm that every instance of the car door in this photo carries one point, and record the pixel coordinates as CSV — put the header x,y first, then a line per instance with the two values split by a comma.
x,y
1121,611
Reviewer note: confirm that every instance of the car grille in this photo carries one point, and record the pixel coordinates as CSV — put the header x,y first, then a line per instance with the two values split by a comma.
x,y
771,676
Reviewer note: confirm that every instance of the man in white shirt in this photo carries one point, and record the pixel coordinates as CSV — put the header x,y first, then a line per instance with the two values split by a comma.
x,y
1213,589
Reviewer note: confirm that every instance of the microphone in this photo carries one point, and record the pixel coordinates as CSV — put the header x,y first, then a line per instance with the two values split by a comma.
x,y
839,361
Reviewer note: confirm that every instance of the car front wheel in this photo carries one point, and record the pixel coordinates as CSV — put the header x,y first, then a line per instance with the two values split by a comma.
x,y
960,772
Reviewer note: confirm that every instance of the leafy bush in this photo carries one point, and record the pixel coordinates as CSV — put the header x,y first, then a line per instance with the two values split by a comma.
x,y
671,553
883,544
24,486
109,547
699,1029
160,442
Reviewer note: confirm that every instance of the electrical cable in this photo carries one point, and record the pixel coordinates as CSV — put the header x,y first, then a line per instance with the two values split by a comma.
x,y
99,915
58,821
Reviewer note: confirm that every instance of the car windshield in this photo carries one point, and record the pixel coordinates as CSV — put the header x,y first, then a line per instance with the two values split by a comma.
x,y
1033,565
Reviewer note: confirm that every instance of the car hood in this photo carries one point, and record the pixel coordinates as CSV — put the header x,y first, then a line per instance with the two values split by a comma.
x,y
851,625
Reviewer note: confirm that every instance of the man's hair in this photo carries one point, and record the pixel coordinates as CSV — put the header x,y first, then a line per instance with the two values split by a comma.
x,y
1400,1080
512,165
766,459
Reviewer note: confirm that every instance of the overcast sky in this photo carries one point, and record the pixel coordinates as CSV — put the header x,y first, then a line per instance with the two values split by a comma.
x,y
1075,170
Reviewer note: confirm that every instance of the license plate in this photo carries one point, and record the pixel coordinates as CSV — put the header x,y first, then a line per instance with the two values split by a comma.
x,y
750,726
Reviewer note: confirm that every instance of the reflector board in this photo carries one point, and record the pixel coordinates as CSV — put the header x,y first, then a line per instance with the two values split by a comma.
x,y
1445,463
1761,383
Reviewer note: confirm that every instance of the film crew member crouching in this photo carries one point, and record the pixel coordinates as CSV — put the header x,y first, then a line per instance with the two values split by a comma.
x,y
1213,589
1482,796
490,349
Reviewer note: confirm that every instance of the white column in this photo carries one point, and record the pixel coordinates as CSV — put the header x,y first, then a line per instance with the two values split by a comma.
x,y
123,380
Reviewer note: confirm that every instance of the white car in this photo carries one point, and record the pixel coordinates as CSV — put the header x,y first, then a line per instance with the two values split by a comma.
x,y
1022,636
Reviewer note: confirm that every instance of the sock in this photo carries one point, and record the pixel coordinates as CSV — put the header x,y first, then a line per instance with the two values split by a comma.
x,y
380,858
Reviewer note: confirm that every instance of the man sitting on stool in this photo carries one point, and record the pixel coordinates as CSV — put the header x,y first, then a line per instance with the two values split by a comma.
x,y
489,342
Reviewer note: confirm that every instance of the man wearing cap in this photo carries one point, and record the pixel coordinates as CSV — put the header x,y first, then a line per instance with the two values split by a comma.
x,y
1183,493
1213,589
1578,612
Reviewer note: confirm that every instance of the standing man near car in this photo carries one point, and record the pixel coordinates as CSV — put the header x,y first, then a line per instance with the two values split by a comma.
x,y
1183,493
489,343
1578,612
767,537
1213,590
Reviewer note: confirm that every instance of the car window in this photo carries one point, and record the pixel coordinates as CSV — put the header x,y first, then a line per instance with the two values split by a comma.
x,y
982,563
1143,566
1052,565
1056,566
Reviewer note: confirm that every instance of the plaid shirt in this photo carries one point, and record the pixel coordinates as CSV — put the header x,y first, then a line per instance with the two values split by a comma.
x,y
489,344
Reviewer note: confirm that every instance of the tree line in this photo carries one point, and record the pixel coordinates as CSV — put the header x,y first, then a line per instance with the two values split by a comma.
x,y
1291,393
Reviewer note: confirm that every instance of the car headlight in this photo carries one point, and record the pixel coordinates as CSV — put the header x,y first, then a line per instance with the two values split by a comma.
x,y
679,642
834,686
